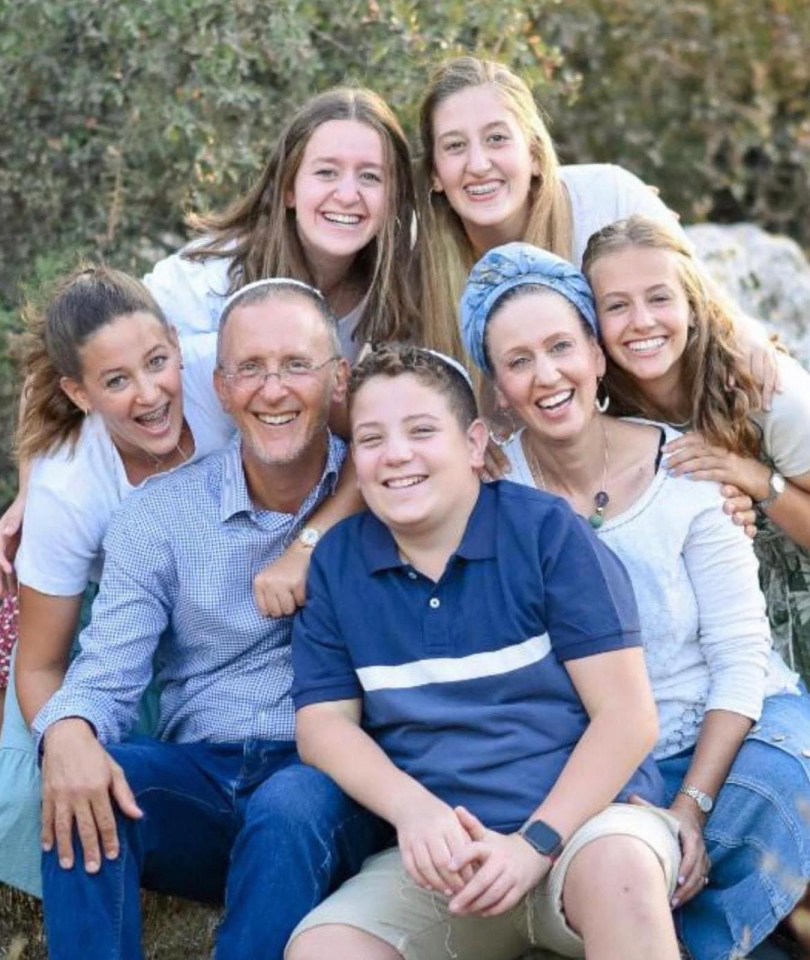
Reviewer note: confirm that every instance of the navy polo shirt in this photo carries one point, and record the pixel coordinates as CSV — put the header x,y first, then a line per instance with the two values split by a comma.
x,y
463,680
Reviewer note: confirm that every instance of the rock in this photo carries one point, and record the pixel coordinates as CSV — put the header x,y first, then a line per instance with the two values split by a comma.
x,y
174,929
768,276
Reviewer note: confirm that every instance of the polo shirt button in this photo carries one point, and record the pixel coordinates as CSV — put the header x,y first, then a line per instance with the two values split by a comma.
x,y
778,737
412,574
435,602
806,753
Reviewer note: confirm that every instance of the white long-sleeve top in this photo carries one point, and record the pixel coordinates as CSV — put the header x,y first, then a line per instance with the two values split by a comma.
x,y
706,637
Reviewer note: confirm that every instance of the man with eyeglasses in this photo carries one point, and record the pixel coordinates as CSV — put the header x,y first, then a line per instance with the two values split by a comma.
x,y
219,807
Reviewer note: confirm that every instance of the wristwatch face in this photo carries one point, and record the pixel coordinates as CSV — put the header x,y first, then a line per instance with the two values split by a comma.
x,y
705,803
777,484
543,838
309,536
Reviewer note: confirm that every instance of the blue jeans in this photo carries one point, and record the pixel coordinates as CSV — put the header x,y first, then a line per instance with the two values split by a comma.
x,y
245,823
757,837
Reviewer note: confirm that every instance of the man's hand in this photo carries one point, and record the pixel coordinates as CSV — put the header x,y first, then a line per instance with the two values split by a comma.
x,y
508,867
280,589
79,781
430,836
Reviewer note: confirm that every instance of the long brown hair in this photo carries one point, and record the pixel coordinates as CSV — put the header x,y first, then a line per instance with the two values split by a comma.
x,y
79,306
258,230
723,394
446,252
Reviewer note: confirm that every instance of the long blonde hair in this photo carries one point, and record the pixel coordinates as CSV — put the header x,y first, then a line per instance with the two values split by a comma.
x,y
258,232
723,394
446,252
79,306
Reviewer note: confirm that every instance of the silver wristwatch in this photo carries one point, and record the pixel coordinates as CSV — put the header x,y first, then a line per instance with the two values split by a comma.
x,y
703,800
309,536
776,487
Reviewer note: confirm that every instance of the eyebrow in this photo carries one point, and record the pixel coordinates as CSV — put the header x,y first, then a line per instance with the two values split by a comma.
x,y
336,161
120,369
486,127
408,419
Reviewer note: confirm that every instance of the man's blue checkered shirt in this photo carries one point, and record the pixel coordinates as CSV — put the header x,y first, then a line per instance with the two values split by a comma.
x,y
182,554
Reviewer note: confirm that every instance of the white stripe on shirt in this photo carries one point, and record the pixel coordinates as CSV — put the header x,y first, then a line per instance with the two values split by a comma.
x,y
419,673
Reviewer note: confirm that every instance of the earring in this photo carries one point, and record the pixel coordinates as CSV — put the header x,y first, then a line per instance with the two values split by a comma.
x,y
603,403
502,427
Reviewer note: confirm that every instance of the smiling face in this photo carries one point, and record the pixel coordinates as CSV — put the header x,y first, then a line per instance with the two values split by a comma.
x,y
340,191
546,366
483,163
282,422
643,315
416,464
131,378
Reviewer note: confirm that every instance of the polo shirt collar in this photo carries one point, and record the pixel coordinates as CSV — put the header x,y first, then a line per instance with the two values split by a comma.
x,y
235,497
478,543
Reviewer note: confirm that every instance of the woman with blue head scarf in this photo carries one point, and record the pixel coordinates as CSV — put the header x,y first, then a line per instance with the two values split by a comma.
x,y
733,720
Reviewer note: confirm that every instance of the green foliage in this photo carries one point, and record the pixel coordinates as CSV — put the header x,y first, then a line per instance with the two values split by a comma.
x,y
707,99
118,115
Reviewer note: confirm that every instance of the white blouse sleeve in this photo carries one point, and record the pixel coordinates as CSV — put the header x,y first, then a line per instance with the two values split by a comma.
x,y
733,627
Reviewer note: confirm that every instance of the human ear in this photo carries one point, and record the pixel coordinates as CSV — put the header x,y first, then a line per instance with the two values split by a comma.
x,y
76,393
222,391
478,438
341,384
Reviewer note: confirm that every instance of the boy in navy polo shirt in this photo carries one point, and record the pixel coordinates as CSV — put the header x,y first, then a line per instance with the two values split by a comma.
x,y
468,666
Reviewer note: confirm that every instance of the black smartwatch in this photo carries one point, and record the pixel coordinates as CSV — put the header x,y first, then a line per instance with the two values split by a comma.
x,y
543,838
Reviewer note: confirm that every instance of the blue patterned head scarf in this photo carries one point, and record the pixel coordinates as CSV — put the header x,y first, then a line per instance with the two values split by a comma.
x,y
517,265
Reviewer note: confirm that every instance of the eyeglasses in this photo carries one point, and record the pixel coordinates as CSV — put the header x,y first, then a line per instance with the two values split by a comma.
x,y
252,376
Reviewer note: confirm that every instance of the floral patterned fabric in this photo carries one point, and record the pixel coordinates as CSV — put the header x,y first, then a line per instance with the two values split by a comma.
x,y
784,575
8,636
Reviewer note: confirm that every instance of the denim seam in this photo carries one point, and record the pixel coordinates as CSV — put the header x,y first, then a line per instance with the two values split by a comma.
x,y
193,798
118,913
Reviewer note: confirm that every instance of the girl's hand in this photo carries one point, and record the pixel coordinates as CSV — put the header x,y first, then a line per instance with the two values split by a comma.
x,y
693,456
10,532
740,507
281,588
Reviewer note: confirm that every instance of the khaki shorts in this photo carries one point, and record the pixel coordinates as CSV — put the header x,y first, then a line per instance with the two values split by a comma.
x,y
383,900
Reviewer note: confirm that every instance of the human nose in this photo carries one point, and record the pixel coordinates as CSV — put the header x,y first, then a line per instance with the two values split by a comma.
x,y
641,317
148,388
478,160
397,449
274,382
545,370
347,189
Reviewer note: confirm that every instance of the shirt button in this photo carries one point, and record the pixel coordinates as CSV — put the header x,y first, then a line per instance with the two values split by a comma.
x,y
778,737
412,574
435,602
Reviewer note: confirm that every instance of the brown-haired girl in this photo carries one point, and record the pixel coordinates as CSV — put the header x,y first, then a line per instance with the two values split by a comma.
x,y
673,356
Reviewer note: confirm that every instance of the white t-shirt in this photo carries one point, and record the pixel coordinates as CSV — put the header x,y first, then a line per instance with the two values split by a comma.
x,y
192,294
601,193
703,623
71,497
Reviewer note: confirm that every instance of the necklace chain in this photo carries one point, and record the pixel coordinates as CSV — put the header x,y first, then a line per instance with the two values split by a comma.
x,y
601,498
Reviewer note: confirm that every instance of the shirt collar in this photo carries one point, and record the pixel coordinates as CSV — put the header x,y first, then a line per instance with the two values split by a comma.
x,y
235,497
478,543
